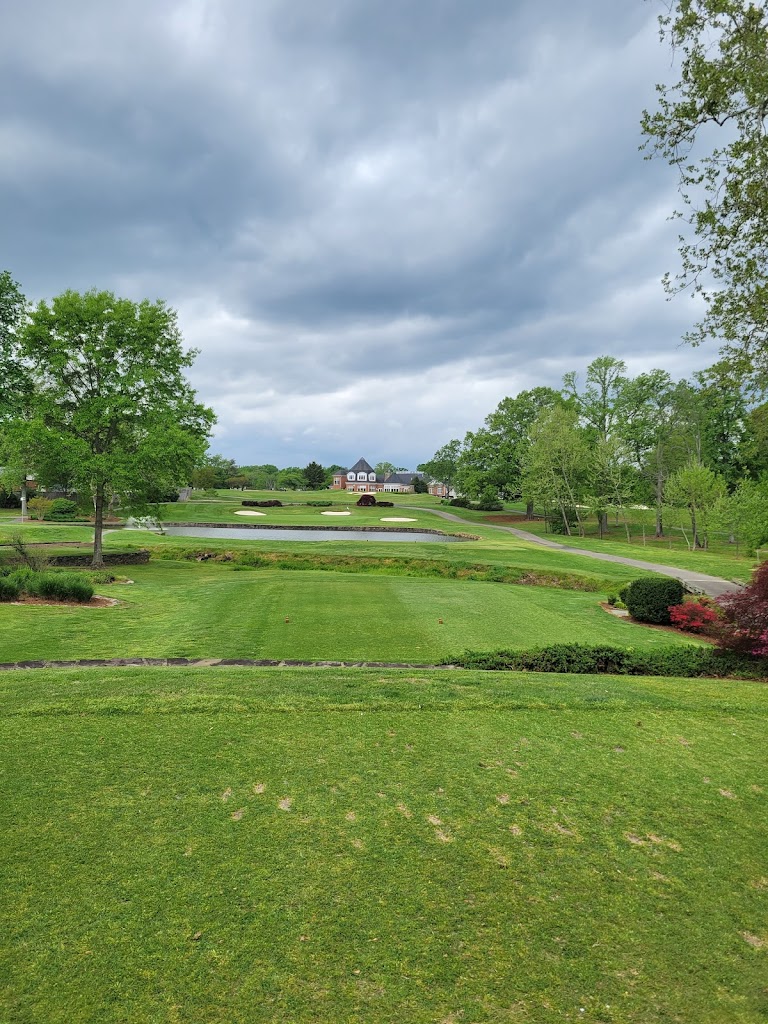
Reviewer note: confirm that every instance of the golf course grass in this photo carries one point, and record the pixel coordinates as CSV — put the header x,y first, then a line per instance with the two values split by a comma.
x,y
192,609
245,846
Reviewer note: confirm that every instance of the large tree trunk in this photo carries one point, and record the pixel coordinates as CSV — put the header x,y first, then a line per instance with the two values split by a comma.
x,y
659,501
602,524
696,541
529,510
98,527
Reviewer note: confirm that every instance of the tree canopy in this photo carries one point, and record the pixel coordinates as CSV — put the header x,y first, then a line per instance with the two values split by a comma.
x,y
109,405
711,126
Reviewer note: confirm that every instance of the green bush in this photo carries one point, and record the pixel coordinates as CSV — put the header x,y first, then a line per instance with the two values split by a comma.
x,y
9,589
53,586
62,510
459,502
317,504
612,599
688,662
650,598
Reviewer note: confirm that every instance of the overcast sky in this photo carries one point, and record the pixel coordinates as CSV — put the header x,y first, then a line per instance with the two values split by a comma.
x,y
376,218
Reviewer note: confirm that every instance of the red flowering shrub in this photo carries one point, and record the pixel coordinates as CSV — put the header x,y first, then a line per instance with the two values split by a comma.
x,y
692,616
744,623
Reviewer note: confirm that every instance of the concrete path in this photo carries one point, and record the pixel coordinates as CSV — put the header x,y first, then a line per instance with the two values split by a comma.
x,y
712,586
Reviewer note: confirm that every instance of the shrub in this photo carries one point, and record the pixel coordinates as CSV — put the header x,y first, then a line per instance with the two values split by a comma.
x,y
269,503
9,589
62,510
488,505
557,524
693,616
649,599
580,659
612,599
8,499
39,508
55,586
744,624
385,504
459,502
316,504
365,500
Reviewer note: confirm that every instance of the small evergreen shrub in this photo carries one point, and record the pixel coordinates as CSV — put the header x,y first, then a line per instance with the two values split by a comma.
x,y
62,510
649,599
316,504
459,502
488,505
612,599
269,503
9,589
385,504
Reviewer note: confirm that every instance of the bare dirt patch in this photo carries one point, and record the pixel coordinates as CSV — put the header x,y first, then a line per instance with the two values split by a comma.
x,y
237,815
754,940
727,794
404,811
226,794
259,788
286,803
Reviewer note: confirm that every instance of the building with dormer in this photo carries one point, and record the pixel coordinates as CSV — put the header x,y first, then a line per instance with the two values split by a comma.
x,y
362,478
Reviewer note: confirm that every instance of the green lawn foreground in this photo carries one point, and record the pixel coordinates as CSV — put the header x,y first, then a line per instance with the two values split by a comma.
x,y
238,845
199,610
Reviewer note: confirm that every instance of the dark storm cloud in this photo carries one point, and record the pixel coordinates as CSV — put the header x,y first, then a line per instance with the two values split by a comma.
x,y
375,218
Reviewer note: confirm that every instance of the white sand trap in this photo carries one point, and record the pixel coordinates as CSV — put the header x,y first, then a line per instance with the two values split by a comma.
x,y
335,513
396,519
248,512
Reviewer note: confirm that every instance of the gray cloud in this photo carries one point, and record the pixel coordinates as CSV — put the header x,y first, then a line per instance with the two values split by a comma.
x,y
375,218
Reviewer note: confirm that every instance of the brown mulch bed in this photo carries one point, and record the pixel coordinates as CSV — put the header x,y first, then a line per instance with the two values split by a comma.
x,y
97,601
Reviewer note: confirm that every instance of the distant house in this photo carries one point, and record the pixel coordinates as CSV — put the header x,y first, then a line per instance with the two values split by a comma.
x,y
362,477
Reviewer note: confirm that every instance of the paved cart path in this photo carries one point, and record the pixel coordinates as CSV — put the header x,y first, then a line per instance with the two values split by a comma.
x,y
713,586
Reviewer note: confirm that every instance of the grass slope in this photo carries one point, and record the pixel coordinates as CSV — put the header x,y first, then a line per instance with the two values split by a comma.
x,y
248,846
188,609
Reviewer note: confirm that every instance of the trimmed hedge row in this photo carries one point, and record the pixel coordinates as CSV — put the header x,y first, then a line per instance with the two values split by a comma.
x,y
269,503
587,659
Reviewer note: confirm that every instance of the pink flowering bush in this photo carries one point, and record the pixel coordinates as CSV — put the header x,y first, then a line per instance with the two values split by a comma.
x,y
693,616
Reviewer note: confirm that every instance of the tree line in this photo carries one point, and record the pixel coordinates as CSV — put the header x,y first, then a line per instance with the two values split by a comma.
x,y
216,471
692,452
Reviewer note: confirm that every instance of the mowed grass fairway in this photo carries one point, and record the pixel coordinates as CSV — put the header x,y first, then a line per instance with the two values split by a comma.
x,y
190,609
336,846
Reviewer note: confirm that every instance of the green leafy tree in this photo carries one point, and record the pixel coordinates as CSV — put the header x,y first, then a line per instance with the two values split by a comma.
x,y
238,482
291,479
314,476
420,486
204,478
223,469
493,456
711,127
444,464
698,489
557,464
385,468
110,400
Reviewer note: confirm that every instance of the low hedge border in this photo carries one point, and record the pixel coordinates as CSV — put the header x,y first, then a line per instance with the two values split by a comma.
x,y
586,659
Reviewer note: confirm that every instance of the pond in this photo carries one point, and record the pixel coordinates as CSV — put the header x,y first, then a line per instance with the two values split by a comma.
x,y
310,533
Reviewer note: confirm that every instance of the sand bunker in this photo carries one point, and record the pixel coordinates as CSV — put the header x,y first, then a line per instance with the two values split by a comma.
x,y
249,512
335,513
396,519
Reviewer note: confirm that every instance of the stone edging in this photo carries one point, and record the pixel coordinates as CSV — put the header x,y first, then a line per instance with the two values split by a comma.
x,y
212,663
323,529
